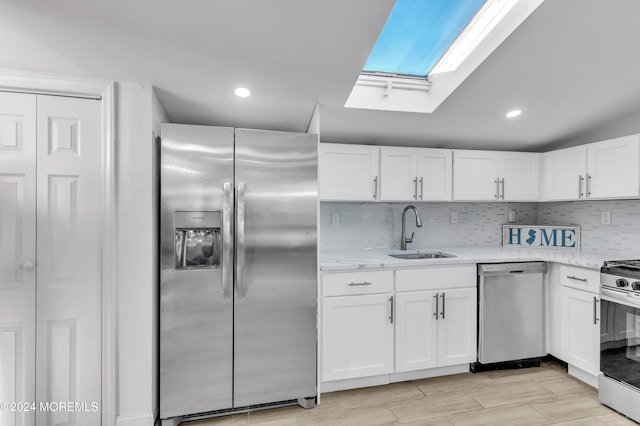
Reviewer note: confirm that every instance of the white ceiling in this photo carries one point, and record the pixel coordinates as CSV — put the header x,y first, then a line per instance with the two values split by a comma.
x,y
572,66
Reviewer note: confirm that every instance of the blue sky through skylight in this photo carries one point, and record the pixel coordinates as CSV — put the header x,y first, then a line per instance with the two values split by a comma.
x,y
417,34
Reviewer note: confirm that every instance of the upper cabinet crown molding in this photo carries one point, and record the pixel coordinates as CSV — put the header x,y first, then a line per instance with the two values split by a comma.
x,y
606,169
495,176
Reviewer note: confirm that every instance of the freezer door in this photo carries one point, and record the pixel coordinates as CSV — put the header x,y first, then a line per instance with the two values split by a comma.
x,y
276,272
196,308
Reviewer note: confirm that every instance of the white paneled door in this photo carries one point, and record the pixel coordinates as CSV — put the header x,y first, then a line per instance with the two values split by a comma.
x,y
17,254
50,328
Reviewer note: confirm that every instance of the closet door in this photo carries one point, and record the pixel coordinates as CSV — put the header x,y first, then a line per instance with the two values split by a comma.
x,y
17,254
68,360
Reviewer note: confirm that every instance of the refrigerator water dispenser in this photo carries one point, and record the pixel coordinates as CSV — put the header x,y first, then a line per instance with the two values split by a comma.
x,y
197,240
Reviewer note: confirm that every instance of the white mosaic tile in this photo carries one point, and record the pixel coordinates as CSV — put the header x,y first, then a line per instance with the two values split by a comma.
x,y
378,225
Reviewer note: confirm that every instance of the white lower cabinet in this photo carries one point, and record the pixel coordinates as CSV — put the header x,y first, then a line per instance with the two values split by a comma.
x,y
371,327
580,322
435,329
581,329
357,336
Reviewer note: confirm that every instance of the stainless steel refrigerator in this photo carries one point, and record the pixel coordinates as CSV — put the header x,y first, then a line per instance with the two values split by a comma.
x,y
238,279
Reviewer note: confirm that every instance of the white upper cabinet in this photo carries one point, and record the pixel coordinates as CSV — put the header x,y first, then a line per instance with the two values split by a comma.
x,y
565,171
495,175
348,172
613,168
607,169
415,174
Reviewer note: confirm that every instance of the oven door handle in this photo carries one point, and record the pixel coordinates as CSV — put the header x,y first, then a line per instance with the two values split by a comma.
x,y
621,297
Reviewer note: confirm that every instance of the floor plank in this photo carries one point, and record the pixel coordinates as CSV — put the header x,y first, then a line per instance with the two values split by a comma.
x,y
544,395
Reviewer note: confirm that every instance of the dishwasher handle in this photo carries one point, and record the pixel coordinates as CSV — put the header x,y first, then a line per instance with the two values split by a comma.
x,y
498,269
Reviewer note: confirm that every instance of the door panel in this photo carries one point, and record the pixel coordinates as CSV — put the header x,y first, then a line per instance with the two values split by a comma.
x,y
17,253
276,298
564,168
475,175
416,331
457,327
612,168
68,363
398,171
196,329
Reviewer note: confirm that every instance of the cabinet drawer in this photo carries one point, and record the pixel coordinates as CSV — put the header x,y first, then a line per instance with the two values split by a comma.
x,y
580,278
436,278
350,283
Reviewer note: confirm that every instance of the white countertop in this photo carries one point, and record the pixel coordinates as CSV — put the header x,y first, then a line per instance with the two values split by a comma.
x,y
348,260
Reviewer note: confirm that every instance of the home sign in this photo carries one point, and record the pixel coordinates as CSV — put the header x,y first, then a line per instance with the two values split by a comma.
x,y
547,237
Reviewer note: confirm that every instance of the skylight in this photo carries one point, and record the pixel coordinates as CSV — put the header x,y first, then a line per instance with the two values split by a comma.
x,y
418,33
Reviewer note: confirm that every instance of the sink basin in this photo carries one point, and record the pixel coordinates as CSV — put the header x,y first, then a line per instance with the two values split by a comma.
x,y
421,255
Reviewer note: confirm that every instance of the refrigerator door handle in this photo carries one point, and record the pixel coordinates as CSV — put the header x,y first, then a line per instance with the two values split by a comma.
x,y
227,242
240,254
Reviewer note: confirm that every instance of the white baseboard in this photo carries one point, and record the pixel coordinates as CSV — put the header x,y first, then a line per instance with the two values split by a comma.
x,y
580,374
431,372
136,420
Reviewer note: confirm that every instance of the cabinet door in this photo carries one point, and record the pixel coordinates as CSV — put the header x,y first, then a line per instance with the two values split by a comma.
x,y
457,327
398,174
434,174
348,172
565,172
475,175
357,336
520,176
613,168
416,331
580,329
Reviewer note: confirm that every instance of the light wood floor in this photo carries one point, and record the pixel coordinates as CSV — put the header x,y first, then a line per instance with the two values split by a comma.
x,y
533,396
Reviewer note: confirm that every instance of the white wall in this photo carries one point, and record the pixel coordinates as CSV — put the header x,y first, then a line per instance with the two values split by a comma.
x,y
137,256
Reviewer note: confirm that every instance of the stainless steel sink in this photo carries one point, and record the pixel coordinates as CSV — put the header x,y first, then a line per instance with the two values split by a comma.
x,y
421,255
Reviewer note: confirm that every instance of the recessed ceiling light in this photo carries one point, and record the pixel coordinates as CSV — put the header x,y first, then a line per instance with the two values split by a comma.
x,y
514,113
242,92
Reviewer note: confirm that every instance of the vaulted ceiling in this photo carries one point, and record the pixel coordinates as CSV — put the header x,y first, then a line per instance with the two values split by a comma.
x,y
572,66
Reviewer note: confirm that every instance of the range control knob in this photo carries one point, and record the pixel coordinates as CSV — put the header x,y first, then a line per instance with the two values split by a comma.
x,y
621,282
635,285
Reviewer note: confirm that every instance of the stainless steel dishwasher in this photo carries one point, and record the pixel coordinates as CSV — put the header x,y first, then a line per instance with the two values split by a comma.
x,y
510,315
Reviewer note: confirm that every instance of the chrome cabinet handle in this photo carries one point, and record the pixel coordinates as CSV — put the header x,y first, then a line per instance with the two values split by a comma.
x,y
391,307
580,180
240,249
375,188
497,182
422,188
352,284
588,185
502,184
415,188
595,310
443,300
227,242
435,314
572,277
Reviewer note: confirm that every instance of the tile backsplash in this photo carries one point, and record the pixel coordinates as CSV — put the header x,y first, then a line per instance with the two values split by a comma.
x,y
621,236
378,225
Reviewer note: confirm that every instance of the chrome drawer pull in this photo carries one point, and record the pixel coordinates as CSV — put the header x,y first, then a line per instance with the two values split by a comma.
x,y
571,277
352,284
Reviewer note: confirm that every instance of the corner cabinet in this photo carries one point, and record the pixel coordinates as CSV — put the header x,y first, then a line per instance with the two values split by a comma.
x,y
373,325
348,172
495,176
607,169
415,174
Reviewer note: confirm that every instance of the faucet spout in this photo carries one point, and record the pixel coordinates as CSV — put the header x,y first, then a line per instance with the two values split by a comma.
x,y
403,238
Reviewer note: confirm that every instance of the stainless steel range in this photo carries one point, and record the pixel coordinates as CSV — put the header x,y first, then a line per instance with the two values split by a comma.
x,y
619,379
